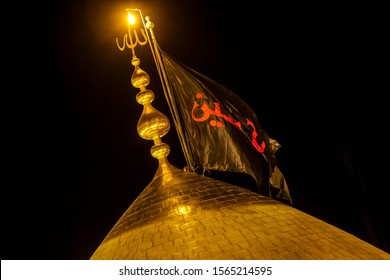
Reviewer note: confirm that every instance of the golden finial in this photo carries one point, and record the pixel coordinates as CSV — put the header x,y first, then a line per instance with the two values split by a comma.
x,y
152,124
128,40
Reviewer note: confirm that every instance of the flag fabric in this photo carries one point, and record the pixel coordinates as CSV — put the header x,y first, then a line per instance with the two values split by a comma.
x,y
220,130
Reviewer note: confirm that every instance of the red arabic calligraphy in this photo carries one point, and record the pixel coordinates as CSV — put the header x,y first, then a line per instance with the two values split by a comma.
x,y
207,112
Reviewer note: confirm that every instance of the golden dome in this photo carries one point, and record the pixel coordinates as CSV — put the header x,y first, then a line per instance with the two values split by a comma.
x,y
182,215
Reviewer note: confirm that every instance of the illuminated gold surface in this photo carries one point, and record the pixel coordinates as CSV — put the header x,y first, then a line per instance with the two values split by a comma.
x,y
152,123
183,215
140,79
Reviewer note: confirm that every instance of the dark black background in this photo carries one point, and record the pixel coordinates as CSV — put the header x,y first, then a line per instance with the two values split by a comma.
x,y
312,74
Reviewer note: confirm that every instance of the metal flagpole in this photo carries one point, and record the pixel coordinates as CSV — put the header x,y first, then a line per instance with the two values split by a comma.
x,y
168,91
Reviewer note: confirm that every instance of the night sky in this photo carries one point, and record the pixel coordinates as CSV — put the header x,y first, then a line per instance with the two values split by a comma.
x,y
309,72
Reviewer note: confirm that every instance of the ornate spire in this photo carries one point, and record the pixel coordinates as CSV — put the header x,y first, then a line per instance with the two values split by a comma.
x,y
152,124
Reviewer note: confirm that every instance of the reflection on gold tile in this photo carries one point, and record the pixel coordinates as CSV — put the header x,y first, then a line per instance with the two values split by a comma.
x,y
183,215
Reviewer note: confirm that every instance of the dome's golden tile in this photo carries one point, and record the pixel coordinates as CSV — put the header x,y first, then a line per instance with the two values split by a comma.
x,y
205,255
189,238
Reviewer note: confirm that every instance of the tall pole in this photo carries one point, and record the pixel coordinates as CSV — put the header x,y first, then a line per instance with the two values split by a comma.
x,y
168,92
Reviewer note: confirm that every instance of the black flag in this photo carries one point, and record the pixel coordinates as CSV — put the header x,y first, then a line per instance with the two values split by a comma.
x,y
219,129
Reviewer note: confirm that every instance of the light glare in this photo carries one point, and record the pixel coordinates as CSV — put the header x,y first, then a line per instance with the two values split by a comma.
x,y
130,18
